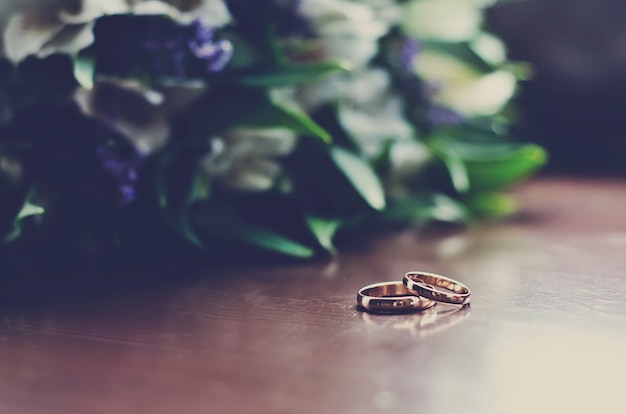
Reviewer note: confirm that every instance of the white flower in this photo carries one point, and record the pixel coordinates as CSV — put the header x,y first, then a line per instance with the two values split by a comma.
x,y
373,115
375,129
408,158
39,29
448,20
11,169
489,48
348,31
358,87
138,115
461,88
245,159
212,13
364,89
5,13
313,94
386,10
155,7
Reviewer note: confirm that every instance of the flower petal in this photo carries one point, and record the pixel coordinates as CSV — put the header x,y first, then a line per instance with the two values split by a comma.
x,y
212,13
256,175
266,142
128,111
179,96
154,7
452,21
22,40
70,39
92,9
461,88
348,31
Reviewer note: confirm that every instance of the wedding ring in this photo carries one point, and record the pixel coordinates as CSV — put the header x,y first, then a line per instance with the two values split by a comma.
x,y
390,297
425,284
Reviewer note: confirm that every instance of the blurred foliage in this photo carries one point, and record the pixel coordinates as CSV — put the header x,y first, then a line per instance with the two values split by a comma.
x,y
275,126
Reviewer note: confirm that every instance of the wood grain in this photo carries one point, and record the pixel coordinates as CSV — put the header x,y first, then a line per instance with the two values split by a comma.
x,y
545,331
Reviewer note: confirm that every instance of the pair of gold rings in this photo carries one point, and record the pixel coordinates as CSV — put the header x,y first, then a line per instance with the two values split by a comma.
x,y
417,291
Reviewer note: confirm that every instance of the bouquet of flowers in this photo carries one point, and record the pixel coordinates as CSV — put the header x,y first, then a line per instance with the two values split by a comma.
x,y
132,130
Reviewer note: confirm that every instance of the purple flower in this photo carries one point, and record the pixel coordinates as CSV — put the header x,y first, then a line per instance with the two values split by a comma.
x,y
439,116
214,53
408,50
122,168
78,158
157,47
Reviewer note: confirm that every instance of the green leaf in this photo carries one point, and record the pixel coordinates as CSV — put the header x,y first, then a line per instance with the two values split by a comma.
x,y
290,75
273,241
238,106
487,165
423,208
273,115
506,169
478,148
456,169
225,223
179,186
492,205
28,210
84,70
320,183
361,175
324,230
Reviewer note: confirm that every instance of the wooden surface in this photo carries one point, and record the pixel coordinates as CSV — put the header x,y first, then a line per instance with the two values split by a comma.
x,y
546,331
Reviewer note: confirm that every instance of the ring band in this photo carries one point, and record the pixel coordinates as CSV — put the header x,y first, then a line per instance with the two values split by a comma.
x,y
423,284
390,297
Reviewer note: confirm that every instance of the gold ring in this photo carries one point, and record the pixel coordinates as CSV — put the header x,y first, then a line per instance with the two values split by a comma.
x,y
390,297
425,284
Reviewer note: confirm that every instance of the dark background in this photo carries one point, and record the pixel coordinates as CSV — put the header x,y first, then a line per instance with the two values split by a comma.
x,y
575,104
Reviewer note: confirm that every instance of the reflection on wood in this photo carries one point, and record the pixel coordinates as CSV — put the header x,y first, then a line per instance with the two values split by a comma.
x,y
545,329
